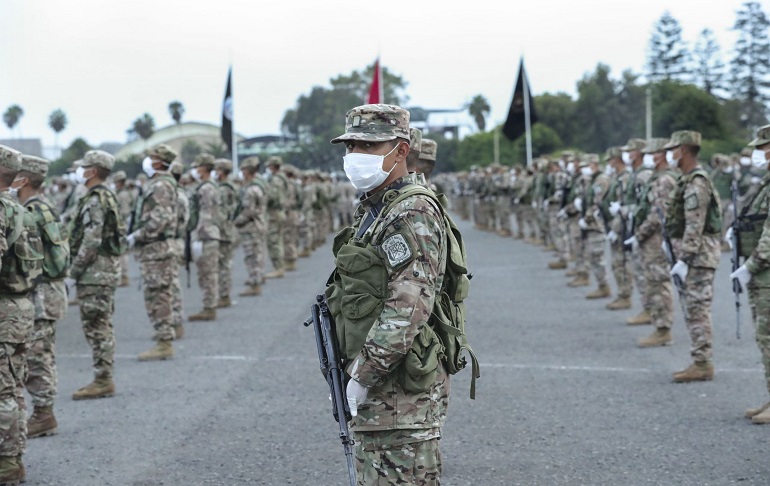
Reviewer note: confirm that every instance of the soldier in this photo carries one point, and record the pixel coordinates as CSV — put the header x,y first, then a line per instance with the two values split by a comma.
x,y
404,448
278,186
620,230
155,232
559,188
722,174
97,240
49,296
251,222
178,246
572,212
754,274
228,236
292,205
307,222
592,223
541,194
694,220
205,219
126,204
654,203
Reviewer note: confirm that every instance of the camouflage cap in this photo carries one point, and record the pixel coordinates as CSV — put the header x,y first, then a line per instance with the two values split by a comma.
x,y
35,165
720,160
176,168
746,152
119,176
274,161
763,137
10,158
655,145
98,158
203,159
591,158
612,153
223,164
415,139
375,123
684,137
567,153
290,169
634,144
428,149
250,163
163,152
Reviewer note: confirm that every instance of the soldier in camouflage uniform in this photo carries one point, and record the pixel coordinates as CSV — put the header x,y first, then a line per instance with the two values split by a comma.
x,y
292,205
278,186
126,203
647,240
619,231
155,232
251,222
592,223
754,274
205,219
722,174
178,245
559,186
97,240
501,187
397,431
228,236
572,212
49,296
694,222
307,222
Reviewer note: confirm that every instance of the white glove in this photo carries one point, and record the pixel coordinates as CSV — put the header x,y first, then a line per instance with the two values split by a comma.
x,y
534,204
546,202
131,239
729,237
614,208
578,203
742,275
356,393
755,180
680,269
612,237
632,242
516,201
70,282
196,249
562,213
582,223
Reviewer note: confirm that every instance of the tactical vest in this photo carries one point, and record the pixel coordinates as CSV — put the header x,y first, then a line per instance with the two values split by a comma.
x,y
195,207
749,226
675,218
113,230
169,233
57,258
276,193
259,182
644,206
229,200
22,264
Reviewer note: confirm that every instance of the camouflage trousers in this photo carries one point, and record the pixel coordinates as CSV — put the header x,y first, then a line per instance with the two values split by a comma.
x,y
760,315
177,312
529,220
41,381
622,268
306,230
698,295
275,228
487,214
503,213
13,409
254,257
660,300
97,303
544,222
461,207
641,282
291,236
158,285
226,249
577,245
727,215
557,234
594,247
383,458
208,273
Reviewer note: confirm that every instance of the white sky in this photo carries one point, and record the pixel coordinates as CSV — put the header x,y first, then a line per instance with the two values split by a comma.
x,y
105,62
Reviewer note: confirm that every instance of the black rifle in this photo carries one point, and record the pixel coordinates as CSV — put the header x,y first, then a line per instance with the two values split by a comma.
x,y
334,373
671,257
187,255
734,258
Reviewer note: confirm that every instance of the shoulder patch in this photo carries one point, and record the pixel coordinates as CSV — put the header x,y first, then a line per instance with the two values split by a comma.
x,y
396,250
691,202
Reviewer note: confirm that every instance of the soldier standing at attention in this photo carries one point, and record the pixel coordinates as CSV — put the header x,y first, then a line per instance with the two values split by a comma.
x,y
97,240
592,224
204,224
694,219
49,296
622,267
276,216
154,234
182,218
251,221
397,431
227,234
126,204
292,205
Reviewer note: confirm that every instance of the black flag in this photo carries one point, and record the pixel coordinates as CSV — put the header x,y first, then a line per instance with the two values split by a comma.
x,y
515,125
227,113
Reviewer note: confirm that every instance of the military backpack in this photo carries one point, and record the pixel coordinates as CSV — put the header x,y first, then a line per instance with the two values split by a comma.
x,y
56,247
22,264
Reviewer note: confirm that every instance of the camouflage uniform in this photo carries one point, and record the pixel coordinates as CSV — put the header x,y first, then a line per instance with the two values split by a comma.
x,y
204,227
622,263
278,187
397,431
638,179
307,221
126,202
559,184
596,190
251,221
228,236
178,248
292,205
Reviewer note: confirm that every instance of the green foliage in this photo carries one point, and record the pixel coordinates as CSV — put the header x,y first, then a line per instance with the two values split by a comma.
x,y
729,146
479,148
132,164
709,68
479,109
57,120
176,110
190,150
667,55
750,68
558,111
685,107
143,127
12,116
75,151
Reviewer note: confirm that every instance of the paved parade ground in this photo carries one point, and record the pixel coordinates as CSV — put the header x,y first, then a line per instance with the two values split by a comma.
x,y
565,396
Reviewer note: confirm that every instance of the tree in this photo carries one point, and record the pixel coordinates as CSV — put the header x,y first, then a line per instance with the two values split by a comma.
x,y
479,109
143,127
190,150
667,56
12,116
709,68
217,149
176,110
57,120
751,65
558,112
75,151
686,107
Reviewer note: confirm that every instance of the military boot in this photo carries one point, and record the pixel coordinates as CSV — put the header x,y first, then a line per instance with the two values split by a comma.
x,y
161,351
581,280
224,302
290,266
178,332
505,233
571,273
519,236
42,423
251,290
100,388
23,469
11,471
600,293
304,253
697,372
762,417
619,304
659,337
124,282
207,314
557,265
640,319
751,412
275,274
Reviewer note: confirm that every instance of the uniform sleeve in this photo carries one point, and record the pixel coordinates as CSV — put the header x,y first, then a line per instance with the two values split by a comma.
x,y
248,207
4,223
661,192
158,213
92,216
413,248
697,198
207,207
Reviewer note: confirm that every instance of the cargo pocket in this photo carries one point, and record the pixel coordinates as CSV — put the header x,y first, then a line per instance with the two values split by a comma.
x,y
417,372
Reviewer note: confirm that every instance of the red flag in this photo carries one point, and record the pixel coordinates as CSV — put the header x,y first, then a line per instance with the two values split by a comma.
x,y
375,91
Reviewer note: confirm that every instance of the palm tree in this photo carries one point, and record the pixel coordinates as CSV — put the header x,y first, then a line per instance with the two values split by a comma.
x,y
12,116
479,108
176,110
57,120
144,127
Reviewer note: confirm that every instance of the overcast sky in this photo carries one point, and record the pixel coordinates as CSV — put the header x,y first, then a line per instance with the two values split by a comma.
x,y
105,62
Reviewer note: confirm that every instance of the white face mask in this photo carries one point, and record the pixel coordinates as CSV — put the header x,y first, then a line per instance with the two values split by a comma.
x,y
214,175
365,170
610,170
112,186
147,167
626,158
586,171
758,159
562,164
648,161
80,175
240,175
195,175
672,162
745,161
571,168
728,170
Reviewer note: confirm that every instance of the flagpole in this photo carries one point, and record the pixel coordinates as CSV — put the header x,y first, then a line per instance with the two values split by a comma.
x,y
526,118
233,138
381,81
497,145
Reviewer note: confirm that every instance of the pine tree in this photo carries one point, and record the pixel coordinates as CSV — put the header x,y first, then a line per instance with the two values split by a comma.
x,y
750,68
668,54
708,68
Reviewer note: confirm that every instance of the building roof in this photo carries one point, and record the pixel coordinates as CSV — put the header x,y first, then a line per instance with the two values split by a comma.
x,y
27,146
174,135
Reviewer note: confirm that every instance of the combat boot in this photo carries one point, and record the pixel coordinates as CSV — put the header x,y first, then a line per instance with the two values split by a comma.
x,y
178,332
762,417
124,282
11,470
207,314
581,280
251,290
304,253
751,412
224,302
519,236
696,372
640,319
161,351
557,265
290,266
571,273
42,423
100,388
275,274
600,293
619,303
659,337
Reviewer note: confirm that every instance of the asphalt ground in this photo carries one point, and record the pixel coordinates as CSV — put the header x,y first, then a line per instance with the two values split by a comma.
x,y
565,396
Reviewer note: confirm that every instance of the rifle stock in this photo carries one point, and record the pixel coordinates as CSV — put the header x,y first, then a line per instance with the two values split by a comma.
x,y
671,257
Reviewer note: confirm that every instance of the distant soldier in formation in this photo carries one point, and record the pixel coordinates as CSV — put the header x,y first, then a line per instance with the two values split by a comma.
x,y
620,230
292,205
307,220
178,247
278,187
559,188
251,222
592,223
228,236
126,203
722,174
